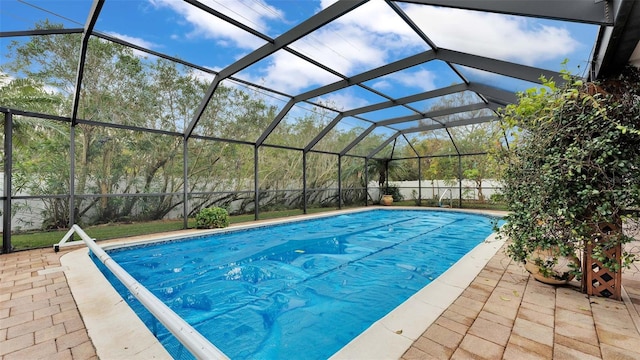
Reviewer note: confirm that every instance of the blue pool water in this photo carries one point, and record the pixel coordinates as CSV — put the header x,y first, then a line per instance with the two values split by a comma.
x,y
300,290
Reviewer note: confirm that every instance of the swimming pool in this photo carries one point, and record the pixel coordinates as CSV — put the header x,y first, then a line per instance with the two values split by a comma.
x,y
299,290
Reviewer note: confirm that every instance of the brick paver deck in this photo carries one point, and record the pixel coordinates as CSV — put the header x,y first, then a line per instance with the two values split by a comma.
x,y
504,313
38,316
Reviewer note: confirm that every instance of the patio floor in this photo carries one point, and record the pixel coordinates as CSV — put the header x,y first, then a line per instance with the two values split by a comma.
x,y
504,313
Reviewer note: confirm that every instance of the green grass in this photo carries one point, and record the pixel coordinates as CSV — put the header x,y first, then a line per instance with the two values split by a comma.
x,y
40,239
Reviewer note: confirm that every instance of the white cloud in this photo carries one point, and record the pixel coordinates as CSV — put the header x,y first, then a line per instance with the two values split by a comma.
x,y
368,37
421,79
136,41
290,74
371,36
252,13
493,35
346,49
5,78
343,101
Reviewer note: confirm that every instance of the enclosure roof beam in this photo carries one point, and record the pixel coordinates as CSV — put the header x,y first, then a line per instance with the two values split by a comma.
x,y
357,140
494,105
88,29
369,75
314,22
435,113
448,125
416,29
506,68
617,43
256,33
324,132
152,52
453,142
275,122
37,32
500,96
6,110
401,119
228,19
584,11
358,79
493,94
411,146
382,146
463,122
408,99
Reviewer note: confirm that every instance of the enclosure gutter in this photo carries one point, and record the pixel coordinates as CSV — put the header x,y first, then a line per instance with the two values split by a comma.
x,y
197,344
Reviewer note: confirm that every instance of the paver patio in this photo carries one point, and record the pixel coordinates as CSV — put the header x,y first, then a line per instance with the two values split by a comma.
x,y
507,314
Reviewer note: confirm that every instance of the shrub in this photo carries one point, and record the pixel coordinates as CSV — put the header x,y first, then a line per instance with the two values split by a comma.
x,y
573,167
212,218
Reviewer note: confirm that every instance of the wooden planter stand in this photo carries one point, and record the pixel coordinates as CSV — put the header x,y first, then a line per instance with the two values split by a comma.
x,y
597,279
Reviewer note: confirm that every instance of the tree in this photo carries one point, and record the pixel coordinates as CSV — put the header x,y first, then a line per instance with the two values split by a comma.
x,y
478,139
121,87
440,148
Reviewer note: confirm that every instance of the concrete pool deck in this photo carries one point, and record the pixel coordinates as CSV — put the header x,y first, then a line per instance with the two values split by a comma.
x,y
502,313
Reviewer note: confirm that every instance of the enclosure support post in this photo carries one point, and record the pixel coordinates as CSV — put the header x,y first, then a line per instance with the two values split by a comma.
x,y
256,195
340,182
419,181
8,164
366,181
185,187
72,175
304,182
459,181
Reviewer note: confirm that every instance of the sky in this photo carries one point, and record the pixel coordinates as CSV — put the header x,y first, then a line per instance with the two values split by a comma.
x,y
369,37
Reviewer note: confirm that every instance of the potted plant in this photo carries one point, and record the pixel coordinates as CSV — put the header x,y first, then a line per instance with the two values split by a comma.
x,y
382,168
572,173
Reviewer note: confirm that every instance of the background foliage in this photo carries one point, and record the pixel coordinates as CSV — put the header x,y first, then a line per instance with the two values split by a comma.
x,y
129,147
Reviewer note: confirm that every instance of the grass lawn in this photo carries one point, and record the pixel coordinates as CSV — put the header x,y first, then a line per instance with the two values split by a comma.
x,y
33,240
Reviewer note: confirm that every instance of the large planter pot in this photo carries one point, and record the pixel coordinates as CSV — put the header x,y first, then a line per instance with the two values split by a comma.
x,y
558,274
386,200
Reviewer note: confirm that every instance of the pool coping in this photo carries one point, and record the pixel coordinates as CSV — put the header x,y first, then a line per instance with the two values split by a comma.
x,y
104,311
392,335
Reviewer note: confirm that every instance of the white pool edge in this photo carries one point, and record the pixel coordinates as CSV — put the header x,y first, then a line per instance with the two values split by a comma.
x,y
114,328
391,336
104,311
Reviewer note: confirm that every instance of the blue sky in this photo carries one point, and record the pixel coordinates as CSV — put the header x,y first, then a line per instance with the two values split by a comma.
x,y
369,37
